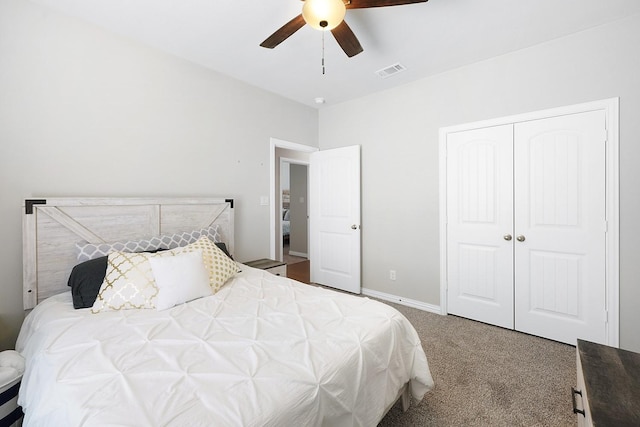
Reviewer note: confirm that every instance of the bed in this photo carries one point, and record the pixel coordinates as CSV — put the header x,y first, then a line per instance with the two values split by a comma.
x,y
261,351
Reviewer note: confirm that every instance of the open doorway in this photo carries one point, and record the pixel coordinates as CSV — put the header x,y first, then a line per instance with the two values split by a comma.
x,y
285,158
295,213
334,238
295,219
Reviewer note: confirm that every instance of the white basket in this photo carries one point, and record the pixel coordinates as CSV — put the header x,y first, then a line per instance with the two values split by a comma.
x,y
11,374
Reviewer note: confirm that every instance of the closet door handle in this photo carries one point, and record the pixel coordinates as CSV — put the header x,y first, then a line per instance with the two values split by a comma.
x,y
507,237
520,238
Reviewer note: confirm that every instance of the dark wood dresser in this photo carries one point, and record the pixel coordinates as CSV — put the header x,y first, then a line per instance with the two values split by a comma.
x,y
608,391
278,268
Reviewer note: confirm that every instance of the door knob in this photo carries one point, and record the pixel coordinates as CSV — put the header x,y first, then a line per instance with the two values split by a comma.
x,y
507,237
520,238
354,227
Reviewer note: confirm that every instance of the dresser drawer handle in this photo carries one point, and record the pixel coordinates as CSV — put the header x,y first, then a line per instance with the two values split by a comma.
x,y
573,400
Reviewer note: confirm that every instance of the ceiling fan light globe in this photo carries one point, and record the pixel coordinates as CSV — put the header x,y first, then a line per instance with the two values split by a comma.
x,y
323,15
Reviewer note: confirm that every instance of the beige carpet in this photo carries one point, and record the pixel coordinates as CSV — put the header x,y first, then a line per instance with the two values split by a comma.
x,y
489,376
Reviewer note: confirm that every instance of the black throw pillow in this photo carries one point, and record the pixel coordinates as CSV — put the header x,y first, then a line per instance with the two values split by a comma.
x,y
85,281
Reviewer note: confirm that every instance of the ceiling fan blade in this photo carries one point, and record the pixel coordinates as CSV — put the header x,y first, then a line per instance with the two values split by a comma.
x,y
361,4
346,39
284,32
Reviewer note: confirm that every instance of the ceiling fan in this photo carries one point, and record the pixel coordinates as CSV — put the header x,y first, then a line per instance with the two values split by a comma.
x,y
328,15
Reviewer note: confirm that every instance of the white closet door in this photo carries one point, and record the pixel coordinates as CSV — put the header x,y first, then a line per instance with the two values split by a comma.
x,y
480,220
560,212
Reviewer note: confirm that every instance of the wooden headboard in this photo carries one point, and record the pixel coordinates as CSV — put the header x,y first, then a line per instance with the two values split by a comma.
x,y
52,226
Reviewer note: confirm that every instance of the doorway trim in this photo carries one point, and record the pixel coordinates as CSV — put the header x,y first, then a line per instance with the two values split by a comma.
x,y
274,144
612,199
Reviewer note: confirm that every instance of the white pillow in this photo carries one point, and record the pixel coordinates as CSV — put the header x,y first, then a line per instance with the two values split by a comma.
x,y
180,278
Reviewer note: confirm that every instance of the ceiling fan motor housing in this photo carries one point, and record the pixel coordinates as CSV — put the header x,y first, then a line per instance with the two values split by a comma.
x,y
324,14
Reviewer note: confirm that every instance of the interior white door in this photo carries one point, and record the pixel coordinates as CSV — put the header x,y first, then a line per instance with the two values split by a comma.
x,y
480,224
334,208
560,214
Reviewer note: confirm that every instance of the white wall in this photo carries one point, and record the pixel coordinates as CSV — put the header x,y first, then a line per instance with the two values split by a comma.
x,y
398,131
86,113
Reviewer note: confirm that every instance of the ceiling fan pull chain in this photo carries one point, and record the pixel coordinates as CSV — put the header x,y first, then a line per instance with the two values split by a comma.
x,y
323,52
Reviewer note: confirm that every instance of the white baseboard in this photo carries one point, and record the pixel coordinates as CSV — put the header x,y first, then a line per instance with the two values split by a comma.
x,y
300,254
402,301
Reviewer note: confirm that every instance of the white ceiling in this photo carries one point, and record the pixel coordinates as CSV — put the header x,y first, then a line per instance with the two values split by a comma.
x,y
427,38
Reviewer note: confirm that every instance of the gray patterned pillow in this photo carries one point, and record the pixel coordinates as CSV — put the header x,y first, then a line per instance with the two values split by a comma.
x,y
86,251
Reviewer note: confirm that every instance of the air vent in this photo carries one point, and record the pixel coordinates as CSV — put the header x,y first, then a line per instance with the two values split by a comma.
x,y
391,70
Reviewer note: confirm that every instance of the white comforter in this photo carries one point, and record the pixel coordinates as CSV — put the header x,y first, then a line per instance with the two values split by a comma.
x,y
263,351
